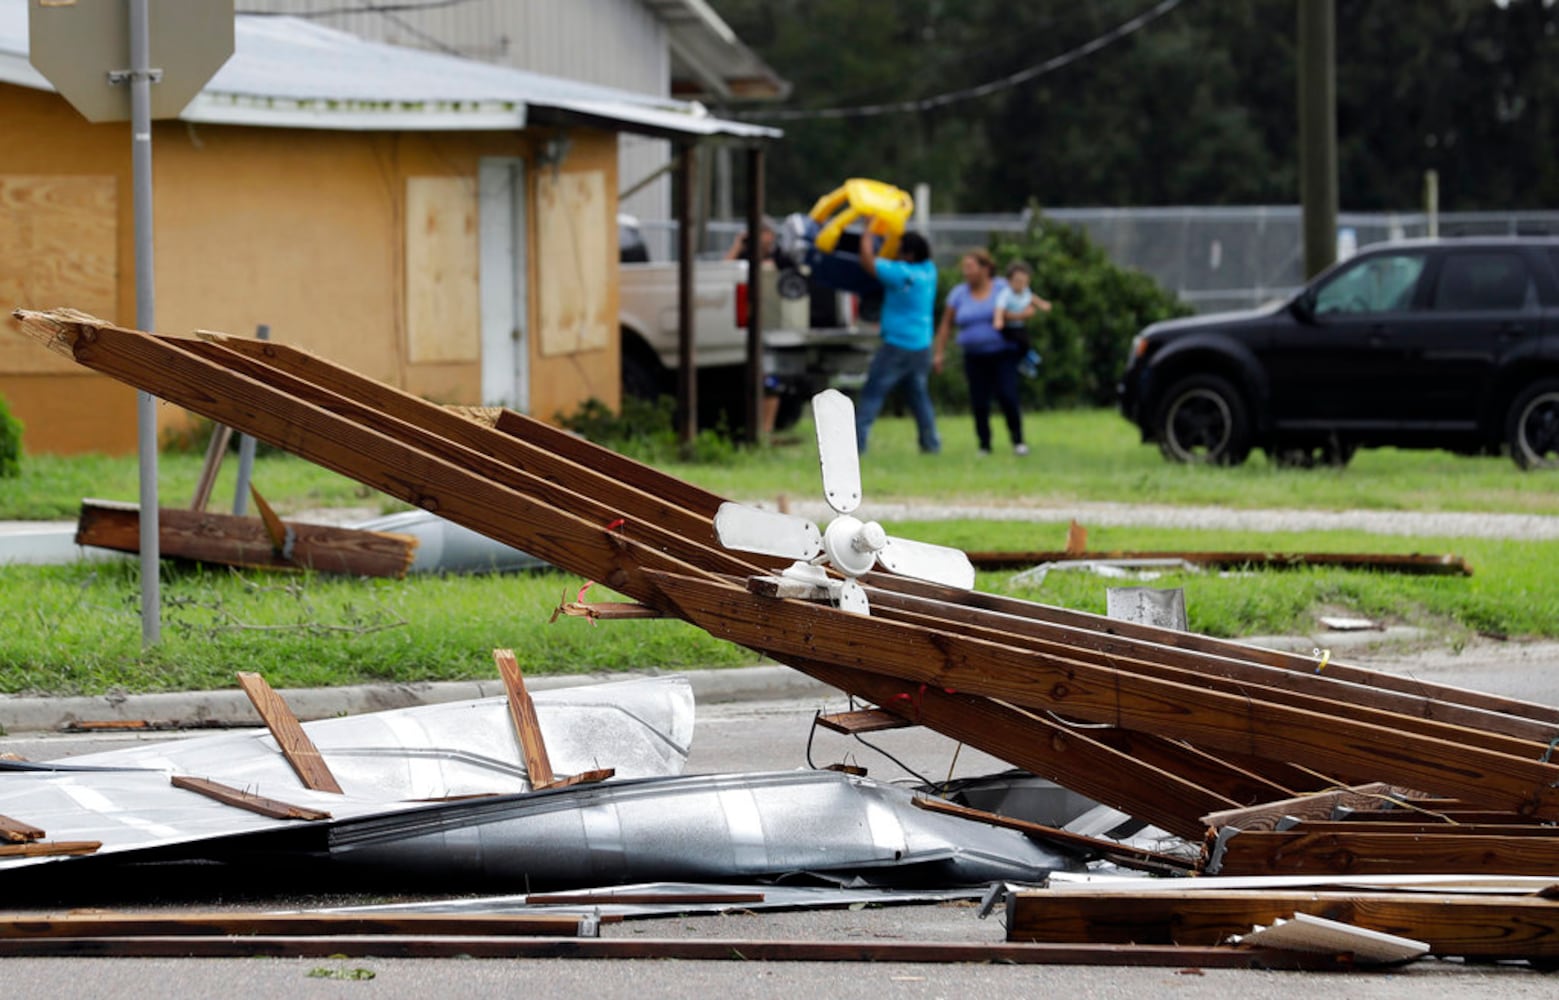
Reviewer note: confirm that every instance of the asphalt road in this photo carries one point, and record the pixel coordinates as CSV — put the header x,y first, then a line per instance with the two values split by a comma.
x,y
773,735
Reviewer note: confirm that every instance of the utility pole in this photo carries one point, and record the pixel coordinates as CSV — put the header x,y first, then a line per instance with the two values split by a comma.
x,y
1318,132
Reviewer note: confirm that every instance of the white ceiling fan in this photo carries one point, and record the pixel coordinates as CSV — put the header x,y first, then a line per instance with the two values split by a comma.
x,y
849,545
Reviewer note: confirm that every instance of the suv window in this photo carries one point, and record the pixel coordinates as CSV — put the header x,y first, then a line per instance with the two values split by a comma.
x,y
1383,283
1487,281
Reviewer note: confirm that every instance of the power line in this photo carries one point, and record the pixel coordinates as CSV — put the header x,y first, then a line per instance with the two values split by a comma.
x,y
405,7
1019,78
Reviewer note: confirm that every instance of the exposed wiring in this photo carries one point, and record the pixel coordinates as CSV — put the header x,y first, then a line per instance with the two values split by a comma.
x,y
1007,82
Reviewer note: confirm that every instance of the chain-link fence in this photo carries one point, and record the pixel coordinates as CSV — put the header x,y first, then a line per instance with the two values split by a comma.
x,y
1214,258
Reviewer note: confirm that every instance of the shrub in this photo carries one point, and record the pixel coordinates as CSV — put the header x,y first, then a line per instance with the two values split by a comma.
x,y
1098,306
10,442
646,431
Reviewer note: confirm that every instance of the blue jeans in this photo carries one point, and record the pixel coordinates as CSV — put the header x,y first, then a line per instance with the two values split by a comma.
x,y
909,372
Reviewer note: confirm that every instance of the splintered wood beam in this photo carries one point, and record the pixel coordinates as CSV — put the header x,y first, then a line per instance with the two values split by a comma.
x,y
866,720
49,848
1216,720
538,767
543,474
216,450
1070,757
290,738
1454,925
1218,672
136,925
1322,805
17,832
1302,852
229,540
1099,625
241,799
1122,854
590,777
1420,565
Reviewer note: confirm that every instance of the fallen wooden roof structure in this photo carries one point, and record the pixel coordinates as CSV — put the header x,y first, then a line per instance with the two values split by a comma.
x,y
1192,734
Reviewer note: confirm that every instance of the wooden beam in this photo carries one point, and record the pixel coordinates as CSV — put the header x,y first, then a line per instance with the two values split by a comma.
x,y
1099,625
1418,565
1220,672
1452,924
227,540
49,848
1213,719
689,949
866,720
16,832
216,449
134,925
1302,852
240,799
290,738
1322,805
590,777
1121,854
538,766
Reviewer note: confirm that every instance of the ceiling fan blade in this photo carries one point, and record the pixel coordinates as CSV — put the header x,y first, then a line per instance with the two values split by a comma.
x,y
834,415
748,529
936,563
852,598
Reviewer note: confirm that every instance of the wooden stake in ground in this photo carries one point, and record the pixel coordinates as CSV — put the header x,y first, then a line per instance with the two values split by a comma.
x,y
295,744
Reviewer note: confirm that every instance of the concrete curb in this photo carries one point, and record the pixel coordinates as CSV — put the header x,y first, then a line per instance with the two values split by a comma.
x,y
19,715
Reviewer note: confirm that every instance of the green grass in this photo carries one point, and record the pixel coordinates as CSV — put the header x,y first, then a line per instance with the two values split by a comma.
x,y
75,629
1094,455
53,486
1078,455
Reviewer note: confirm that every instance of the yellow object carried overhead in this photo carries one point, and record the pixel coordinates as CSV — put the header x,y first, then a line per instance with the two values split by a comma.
x,y
888,206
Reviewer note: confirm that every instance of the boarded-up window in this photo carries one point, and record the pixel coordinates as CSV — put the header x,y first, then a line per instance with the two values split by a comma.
x,y
574,261
57,248
443,298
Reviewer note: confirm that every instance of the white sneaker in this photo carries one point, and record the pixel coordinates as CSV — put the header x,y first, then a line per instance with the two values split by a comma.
x,y
1020,450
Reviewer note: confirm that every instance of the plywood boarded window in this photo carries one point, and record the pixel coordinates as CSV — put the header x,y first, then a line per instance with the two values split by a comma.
x,y
574,262
57,248
443,298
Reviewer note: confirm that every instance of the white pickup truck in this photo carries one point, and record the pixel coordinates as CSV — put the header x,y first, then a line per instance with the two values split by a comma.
x,y
809,343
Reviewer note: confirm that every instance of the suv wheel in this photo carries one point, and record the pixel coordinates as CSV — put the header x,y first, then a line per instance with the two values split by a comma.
x,y
1202,420
1532,426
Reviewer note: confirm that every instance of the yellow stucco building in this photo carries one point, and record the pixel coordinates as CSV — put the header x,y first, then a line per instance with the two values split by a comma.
x,y
445,226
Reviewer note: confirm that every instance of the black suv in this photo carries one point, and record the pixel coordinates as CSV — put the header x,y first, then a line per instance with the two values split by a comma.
x,y
1450,343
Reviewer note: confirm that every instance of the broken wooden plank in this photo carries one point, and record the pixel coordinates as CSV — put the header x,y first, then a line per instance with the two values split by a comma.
x,y
538,767
241,799
1452,924
606,611
49,848
1321,805
1121,854
293,742
690,949
1046,681
590,777
17,832
1301,852
132,925
1415,564
865,720
216,450
229,540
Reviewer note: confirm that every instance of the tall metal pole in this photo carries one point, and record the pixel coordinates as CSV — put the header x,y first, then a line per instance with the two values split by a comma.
x,y
1318,132
145,311
754,374
687,372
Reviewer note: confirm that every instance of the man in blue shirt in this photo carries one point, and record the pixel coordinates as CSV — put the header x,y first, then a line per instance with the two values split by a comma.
x,y
903,361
